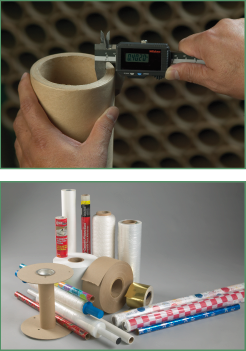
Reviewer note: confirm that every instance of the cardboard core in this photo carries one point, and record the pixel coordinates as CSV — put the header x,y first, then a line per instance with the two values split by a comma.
x,y
148,298
47,306
129,221
116,288
131,340
69,70
76,259
103,213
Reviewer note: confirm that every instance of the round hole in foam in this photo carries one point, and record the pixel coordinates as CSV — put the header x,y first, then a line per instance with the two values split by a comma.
x,y
160,10
35,33
117,39
181,32
8,39
139,164
237,133
129,15
121,147
196,89
61,70
4,67
180,140
96,22
209,137
219,109
12,9
149,143
116,288
66,28
75,5
228,4
199,161
169,162
87,48
43,7
165,91
194,7
76,259
187,113
231,160
56,50
135,95
127,121
27,59
158,117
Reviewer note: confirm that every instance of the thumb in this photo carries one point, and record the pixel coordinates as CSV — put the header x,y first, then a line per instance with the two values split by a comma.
x,y
190,72
102,130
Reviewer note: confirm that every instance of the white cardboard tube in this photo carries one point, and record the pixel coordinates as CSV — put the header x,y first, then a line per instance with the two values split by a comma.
x,y
68,205
127,338
68,90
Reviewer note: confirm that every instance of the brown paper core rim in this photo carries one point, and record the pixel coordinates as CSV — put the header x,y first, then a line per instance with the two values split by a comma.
x,y
76,259
70,71
116,288
129,221
148,298
103,213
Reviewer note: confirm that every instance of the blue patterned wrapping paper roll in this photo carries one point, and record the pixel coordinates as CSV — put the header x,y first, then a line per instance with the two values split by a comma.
x,y
188,319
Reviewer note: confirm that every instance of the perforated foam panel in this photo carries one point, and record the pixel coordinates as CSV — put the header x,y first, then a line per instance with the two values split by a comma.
x,y
161,123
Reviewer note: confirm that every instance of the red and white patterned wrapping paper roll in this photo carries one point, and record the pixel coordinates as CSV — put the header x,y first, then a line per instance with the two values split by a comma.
x,y
182,311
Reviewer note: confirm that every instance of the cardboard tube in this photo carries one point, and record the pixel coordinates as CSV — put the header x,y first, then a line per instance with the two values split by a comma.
x,y
67,88
47,306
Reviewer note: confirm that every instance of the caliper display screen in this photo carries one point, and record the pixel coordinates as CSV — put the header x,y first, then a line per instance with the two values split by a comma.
x,y
140,59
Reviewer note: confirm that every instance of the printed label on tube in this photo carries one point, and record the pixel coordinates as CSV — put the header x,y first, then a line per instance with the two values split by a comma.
x,y
85,225
61,237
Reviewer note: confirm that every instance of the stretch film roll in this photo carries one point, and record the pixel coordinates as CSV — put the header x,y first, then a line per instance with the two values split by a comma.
x,y
163,306
79,262
103,234
67,88
108,279
185,310
68,204
129,245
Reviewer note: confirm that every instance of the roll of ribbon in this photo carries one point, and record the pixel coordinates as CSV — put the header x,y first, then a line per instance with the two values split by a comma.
x,y
103,234
139,295
79,262
68,204
108,279
129,245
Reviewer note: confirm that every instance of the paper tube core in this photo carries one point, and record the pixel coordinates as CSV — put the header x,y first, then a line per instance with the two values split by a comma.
x,y
103,213
76,259
148,298
69,70
129,221
47,306
116,288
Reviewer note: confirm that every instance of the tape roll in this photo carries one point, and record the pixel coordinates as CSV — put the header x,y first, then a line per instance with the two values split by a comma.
x,y
79,262
108,280
139,295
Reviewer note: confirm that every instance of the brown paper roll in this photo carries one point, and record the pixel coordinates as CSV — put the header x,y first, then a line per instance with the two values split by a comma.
x,y
67,88
108,279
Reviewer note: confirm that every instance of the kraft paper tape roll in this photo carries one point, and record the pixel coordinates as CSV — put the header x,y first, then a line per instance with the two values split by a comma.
x,y
108,279
79,262
139,295
67,88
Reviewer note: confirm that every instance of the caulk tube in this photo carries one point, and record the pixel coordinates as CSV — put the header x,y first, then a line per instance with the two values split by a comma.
x,y
93,326
72,301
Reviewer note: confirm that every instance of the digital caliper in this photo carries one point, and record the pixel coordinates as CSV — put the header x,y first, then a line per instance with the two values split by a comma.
x,y
137,60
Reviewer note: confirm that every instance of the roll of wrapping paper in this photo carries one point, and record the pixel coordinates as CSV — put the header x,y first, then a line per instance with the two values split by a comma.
x,y
139,295
76,292
185,310
129,245
62,321
188,319
85,223
163,306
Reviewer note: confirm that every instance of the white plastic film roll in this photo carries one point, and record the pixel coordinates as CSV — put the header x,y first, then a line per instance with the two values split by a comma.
x,y
103,234
79,262
129,245
68,204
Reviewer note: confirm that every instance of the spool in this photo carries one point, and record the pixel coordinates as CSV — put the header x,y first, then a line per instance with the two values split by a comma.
x,y
129,244
67,88
108,279
43,326
103,234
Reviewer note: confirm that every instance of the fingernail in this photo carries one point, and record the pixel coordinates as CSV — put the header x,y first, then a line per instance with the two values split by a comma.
x,y
23,75
172,74
113,113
